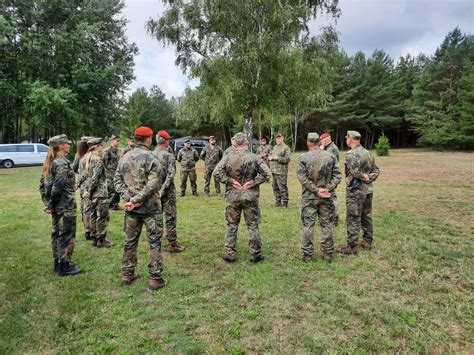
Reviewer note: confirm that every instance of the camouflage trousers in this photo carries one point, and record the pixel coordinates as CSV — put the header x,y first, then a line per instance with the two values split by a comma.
x,y
114,197
191,174
311,210
86,213
335,210
207,179
168,204
154,230
63,234
99,216
359,214
251,212
280,187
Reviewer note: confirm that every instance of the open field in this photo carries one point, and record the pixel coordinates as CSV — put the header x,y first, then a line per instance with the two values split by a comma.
x,y
414,293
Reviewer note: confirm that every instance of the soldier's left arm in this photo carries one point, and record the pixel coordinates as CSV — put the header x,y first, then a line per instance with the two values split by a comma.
x,y
97,170
263,173
285,157
303,176
353,166
375,172
119,184
203,154
170,174
153,181
59,183
219,171
196,155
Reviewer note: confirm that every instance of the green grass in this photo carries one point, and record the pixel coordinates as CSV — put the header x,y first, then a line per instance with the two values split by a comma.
x,y
414,293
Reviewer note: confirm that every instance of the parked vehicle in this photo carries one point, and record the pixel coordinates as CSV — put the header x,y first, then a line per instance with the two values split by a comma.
x,y
22,154
197,143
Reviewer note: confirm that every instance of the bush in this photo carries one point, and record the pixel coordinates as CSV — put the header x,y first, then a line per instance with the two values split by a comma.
x,y
383,146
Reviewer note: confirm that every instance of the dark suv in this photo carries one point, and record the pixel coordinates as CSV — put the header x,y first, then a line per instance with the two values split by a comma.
x,y
197,143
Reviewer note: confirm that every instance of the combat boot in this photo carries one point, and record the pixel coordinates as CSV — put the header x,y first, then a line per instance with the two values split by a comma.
x,y
195,193
104,243
68,269
95,242
257,258
175,248
277,204
366,245
182,194
87,235
284,204
128,279
306,258
229,258
56,265
155,284
327,258
348,250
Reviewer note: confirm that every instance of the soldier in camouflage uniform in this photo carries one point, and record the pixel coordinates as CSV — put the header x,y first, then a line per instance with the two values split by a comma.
x,y
94,188
319,175
111,158
264,150
130,146
137,180
58,194
211,154
188,157
242,172
361,172
279,160
328,145
167,190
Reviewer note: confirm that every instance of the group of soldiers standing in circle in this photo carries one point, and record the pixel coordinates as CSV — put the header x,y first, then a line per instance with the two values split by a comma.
x,y
144,179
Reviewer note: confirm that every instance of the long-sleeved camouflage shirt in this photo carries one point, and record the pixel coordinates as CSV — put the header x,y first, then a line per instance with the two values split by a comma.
x,y
167,170
58,191
242,166
137,179
188,158
211,156
95,181
332,148
280,166
359,161
317,169
111,159
263,151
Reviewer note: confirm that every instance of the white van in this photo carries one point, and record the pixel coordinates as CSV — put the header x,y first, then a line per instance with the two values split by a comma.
x,y
22,154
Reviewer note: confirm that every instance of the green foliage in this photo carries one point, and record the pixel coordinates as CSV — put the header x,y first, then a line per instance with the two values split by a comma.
x,y
383,146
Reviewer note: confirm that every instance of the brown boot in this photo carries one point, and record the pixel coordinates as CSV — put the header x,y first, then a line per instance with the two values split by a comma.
x,y
95,242
128,279
348,250
175,248
306,258
327,258
229,258
284,204
366,245
104,243
277,204
155,284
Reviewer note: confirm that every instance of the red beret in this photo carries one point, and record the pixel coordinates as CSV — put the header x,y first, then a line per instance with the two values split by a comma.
x,y
164,134
325,135
278,135
143,131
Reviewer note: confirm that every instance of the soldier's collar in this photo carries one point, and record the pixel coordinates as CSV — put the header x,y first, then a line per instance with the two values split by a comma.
x,y
142,146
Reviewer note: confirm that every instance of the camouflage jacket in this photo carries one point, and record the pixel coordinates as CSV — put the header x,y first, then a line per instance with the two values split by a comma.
x,y
263,151
211,156
58,191
75,164
317,169
137,179
280,166
188,158
167,170
111,158
332,148
95,181
242,166
359,161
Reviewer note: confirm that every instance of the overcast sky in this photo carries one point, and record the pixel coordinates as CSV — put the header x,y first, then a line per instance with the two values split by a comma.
x,y
396,26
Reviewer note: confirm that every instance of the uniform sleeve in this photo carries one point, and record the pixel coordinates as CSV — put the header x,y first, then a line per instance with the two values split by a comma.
x,y
220,171
203,153
180,155
152,184
170,174
97,171
353,166
336,176
120,186
45,190
303,176
60,178
375,172
285,157
263,173
196,155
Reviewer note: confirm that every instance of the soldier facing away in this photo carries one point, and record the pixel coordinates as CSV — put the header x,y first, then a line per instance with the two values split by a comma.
x,y
361,172
79,168
111,159
167,191
137,180
242,172
211,154
188,156
58,194
279,160
319,175
264,150
328,145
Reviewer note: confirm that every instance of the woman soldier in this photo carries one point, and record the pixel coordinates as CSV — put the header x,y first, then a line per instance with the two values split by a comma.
x,y
79,168
57,192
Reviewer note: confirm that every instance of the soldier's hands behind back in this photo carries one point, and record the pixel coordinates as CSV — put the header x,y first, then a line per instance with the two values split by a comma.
x,y
236,185
323,193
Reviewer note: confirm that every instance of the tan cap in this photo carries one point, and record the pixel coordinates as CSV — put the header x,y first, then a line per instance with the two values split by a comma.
x,y
313,137
353,135
94,141
58,140
240,138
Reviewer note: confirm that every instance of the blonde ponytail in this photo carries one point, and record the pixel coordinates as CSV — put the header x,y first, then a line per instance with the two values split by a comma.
x,y
52,153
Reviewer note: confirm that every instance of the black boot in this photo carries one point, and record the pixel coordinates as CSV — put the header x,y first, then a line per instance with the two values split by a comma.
x,y
88,235
56,265
68,269
257,258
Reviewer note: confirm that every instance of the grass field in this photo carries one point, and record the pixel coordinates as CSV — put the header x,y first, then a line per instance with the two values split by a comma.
x,y
414,293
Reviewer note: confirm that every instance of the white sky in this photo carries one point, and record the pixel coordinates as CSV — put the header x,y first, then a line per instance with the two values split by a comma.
x,y
398,27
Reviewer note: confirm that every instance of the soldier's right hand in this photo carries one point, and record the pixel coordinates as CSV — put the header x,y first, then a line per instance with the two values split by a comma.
x,y
323,193
236,185
48,210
